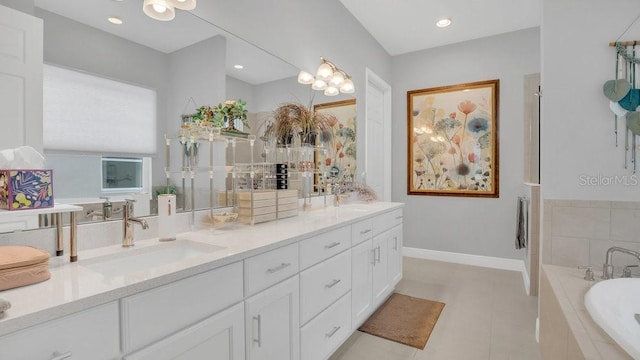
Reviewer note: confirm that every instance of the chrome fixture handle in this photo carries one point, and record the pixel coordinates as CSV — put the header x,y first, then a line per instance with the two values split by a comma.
x,y
626,273
332,284
332,245
259,339
333,331
278,268
61,356
588,274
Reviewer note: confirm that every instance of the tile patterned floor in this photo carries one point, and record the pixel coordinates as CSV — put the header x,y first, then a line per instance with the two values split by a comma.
x,y
487,316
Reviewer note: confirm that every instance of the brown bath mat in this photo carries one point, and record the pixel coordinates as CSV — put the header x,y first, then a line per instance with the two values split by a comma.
x,y
404,319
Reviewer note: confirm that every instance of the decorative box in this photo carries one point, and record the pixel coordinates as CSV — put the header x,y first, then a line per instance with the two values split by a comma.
x,y
26,189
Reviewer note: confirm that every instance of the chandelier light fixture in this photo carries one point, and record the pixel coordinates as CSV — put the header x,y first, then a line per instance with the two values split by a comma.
x,y
165,10
329,78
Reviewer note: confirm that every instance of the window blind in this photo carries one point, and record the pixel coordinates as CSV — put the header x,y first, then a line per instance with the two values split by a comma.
x,y
83,112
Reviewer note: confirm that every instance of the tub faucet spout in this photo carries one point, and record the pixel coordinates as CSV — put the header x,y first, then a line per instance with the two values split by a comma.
x,y
607,268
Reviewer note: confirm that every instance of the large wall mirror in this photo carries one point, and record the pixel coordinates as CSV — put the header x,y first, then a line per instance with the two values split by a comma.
x,y
187,63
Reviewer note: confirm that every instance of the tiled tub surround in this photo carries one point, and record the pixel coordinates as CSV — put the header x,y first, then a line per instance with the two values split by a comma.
x,y
74,287
566,328
578,232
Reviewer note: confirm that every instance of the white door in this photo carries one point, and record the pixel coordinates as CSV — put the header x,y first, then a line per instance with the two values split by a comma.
x,y
20,79
272,321
220,337
361,286
380,254
395,255
378,136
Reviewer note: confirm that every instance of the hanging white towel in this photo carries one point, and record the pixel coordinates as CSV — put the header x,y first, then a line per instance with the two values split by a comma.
x,y
521,226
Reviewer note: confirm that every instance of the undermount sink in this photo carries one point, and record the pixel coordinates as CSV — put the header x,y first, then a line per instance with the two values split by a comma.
x,y
133,260
615,306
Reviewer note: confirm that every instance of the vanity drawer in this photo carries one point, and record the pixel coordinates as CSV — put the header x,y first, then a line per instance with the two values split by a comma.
x,y
323,284
361,231
386,221
264,270
156,313
322,335
89,334
324,246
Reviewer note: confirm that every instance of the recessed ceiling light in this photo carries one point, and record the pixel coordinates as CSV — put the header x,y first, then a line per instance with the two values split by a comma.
x,y
238,66
444,22
115,20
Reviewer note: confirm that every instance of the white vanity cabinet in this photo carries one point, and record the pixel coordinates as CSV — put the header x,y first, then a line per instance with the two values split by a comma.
x,y
272,322
157,313
90,334
219,337
376,263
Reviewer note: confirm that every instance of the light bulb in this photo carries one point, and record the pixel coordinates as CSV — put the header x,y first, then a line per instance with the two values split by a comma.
x,y
305,78
347,86
337,79
331,91
160,9
325,72
319,85
184,4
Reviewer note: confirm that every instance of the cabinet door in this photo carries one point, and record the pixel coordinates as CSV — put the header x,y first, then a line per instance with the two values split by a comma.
x,y
361,286
395,255
219,337
380,253
272,322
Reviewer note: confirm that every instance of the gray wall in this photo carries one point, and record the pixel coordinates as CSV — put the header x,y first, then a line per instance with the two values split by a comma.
x,y
476,226
577,137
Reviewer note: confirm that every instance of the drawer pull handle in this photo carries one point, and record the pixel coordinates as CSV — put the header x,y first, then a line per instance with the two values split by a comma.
x,y
332,284
399,217
378,257
278,268
365,231
58,356
333,331
395,243
331,245
259,339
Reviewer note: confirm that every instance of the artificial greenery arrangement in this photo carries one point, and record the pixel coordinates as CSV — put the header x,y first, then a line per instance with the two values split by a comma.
x,y
293,119
230,111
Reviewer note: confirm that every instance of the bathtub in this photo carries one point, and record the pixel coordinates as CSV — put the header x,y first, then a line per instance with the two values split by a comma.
x,y
613,304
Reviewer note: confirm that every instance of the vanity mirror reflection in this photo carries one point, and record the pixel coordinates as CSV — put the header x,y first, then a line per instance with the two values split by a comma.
x,y
186,63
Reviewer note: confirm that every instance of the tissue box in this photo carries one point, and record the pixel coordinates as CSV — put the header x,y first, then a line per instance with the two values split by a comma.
x,y
26,189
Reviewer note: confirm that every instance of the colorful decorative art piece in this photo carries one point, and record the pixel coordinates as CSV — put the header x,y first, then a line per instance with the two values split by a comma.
x,y
453,140
26,189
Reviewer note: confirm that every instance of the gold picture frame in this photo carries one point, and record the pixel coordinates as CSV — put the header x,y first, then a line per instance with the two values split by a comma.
x,y
452,135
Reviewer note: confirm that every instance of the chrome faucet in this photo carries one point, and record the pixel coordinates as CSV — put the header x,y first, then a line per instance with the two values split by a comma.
x,y
127,236
607,268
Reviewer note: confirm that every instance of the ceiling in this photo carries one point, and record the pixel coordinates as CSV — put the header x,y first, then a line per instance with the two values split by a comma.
x,y
403,26
400,26
168,36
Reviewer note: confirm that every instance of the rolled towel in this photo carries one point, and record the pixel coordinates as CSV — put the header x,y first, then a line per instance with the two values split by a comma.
x,y
4,305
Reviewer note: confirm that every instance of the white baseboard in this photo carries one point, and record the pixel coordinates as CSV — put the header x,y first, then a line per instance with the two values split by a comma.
x,y
526,279
467,259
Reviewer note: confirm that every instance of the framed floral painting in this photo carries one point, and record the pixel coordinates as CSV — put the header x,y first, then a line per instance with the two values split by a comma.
x,y
340,159
453,140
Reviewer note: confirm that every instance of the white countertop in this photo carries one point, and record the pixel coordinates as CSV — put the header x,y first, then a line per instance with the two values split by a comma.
x,y
74,287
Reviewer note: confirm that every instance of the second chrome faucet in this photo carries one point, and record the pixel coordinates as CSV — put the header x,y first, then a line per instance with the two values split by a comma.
x,y
127,220
607,268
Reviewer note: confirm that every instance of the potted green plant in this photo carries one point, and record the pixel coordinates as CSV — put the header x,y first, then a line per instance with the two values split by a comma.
x,y
230,111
